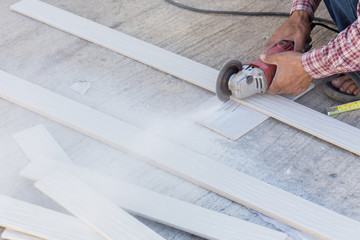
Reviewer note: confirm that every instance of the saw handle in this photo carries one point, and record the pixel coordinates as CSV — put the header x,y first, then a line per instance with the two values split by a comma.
x,y
270,69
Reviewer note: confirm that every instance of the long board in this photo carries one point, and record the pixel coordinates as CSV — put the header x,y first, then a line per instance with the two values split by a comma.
x,y
9,234
88,205
139,201
180,161
40,222
156,57
307,120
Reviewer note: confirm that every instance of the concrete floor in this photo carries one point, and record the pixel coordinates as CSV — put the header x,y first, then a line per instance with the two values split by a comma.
x,y
273,152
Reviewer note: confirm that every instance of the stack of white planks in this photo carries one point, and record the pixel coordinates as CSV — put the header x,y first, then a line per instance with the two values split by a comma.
x,y
91,198
97,202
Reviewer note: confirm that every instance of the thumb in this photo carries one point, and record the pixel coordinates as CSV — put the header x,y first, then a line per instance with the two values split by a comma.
x,y
269,59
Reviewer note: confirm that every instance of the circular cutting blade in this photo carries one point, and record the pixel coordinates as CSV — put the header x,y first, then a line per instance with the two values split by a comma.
x,y
222,88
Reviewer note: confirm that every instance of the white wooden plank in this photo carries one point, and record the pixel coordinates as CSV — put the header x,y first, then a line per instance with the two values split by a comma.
x,y
37,143
92,208
183,68
307,120
15,235
157,207
269,200
131,47
232,120
41,222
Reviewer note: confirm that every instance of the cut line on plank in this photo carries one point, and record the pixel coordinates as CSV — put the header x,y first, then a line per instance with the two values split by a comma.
x,y
182,162
231,119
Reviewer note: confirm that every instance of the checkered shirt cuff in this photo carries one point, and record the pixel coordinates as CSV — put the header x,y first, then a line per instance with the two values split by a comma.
x,y
342,54
305,5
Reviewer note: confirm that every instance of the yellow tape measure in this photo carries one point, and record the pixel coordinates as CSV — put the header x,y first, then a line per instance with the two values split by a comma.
x,y
343,108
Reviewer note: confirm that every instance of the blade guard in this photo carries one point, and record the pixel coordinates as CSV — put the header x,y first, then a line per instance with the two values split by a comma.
x,y
222,89
270,69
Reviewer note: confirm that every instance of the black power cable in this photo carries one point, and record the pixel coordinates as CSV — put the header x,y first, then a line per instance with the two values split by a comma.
x,y
325,26
318,21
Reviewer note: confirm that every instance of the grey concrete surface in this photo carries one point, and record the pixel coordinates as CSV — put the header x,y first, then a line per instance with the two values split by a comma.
x,y
273,152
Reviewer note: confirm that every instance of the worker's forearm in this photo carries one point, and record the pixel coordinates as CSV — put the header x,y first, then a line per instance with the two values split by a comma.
x,y
301,16
309,6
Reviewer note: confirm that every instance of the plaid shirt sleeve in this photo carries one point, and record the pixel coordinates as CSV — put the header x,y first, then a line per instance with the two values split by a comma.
x,y
306,5
342,54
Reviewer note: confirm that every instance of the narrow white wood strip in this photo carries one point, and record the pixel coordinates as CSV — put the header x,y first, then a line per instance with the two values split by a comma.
x,y
146,53
307,120
95,210
131,47
15,235
194,167
37,143
41,222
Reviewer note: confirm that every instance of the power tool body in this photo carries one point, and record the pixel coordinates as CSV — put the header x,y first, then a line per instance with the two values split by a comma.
x,y
241,81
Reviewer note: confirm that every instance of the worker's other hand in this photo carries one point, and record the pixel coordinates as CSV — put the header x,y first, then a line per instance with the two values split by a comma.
x,y
297,29
290,76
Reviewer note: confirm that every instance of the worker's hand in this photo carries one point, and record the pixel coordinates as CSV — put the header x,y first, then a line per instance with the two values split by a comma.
x,y
290,76
296,29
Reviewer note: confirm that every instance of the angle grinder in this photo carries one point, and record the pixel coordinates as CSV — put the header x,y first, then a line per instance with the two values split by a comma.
x,y
244,80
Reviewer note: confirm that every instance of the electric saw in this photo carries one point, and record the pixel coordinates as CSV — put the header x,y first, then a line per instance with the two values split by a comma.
x,y
244,80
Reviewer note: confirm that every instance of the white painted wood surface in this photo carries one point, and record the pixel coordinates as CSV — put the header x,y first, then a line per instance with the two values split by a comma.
x,y
139,201
307,120
41,222
178,66
15,235
182,162
92,208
